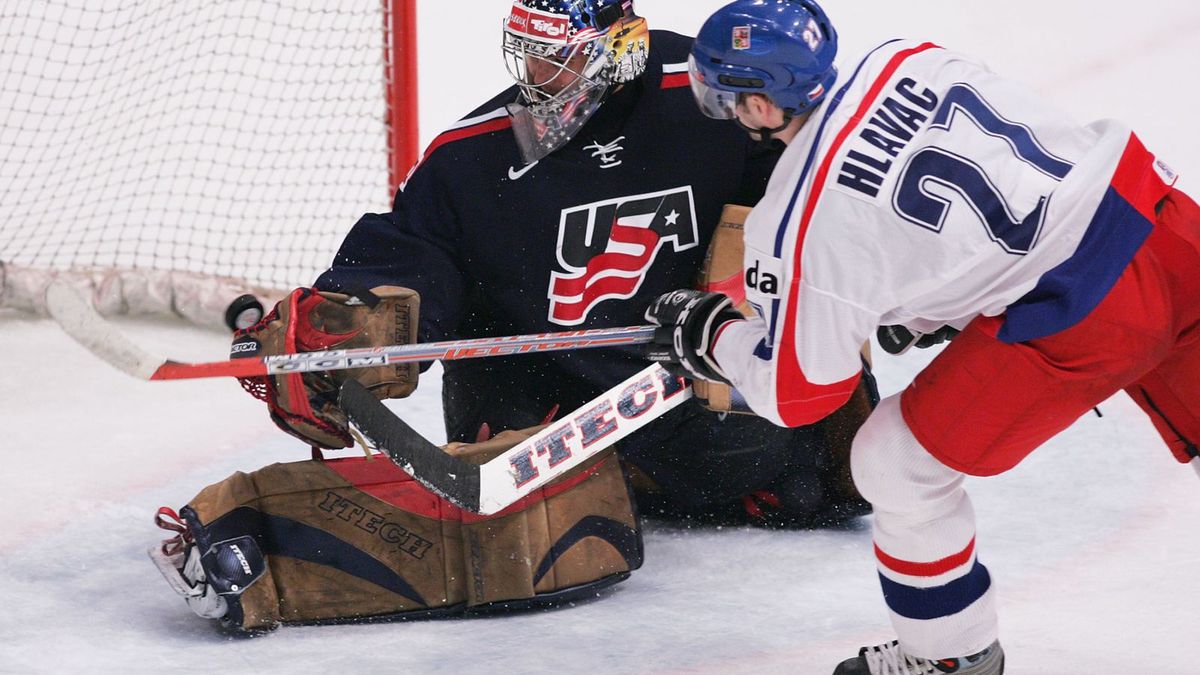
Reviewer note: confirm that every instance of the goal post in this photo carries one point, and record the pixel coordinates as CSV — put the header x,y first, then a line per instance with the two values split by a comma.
x,y
158,148
400,57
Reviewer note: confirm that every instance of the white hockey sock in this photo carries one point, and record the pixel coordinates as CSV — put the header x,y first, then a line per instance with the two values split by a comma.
x,y
939,596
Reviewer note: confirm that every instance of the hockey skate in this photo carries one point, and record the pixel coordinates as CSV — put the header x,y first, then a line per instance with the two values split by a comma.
x,y
210,580
890,659
178,559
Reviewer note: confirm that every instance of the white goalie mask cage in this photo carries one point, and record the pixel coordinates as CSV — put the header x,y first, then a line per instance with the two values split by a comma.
x,y
565,62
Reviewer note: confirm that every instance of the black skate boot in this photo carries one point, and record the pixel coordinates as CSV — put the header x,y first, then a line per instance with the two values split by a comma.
x,y
890,659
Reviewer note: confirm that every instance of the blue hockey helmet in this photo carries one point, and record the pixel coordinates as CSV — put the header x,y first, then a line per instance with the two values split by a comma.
x,y
783,49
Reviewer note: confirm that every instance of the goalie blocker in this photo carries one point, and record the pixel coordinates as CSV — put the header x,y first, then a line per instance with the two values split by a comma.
x,y
357,539
724,272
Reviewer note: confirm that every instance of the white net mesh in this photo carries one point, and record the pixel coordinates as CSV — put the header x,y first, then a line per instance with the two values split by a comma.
x,y
233,138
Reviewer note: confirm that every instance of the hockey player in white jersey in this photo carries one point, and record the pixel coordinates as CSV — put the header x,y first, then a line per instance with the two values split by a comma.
x,y
920,190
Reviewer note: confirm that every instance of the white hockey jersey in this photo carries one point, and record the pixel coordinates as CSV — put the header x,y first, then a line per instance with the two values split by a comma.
x,y
928,191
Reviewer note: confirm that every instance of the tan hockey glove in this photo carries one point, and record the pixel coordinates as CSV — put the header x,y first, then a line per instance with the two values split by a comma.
x,y
305,404
723,272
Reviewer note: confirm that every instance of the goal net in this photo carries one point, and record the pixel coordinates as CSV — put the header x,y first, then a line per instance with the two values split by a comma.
x,y
231,140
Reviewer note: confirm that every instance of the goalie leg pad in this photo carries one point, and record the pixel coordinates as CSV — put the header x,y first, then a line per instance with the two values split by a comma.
x,y
358,539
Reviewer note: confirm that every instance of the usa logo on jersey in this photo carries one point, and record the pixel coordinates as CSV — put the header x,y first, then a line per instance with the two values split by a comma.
x,y
608,247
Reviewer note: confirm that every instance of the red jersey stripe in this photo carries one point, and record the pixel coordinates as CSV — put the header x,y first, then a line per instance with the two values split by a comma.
x,y
467,132
447,137
675,80
1142,188
799,401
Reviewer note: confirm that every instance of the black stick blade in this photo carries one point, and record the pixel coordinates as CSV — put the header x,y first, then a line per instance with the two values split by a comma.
x,y
449,477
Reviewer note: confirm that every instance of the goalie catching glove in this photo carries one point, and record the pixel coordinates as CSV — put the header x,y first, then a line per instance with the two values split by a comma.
x,y
305,404
688,323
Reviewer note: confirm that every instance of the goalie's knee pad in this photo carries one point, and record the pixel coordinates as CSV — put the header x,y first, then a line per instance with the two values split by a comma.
x,y
353,540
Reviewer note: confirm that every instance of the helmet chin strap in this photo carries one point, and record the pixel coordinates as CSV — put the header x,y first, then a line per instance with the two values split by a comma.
x,y
766,134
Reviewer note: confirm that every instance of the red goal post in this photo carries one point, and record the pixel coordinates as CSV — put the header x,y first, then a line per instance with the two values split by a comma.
x,y
170,156
400,55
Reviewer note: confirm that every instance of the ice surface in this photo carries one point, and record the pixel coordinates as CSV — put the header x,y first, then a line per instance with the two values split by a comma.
x,y
1094,542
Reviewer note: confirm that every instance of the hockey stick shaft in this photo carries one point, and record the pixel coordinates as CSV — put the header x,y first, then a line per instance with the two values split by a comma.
x,y
346,359
502,481
80,320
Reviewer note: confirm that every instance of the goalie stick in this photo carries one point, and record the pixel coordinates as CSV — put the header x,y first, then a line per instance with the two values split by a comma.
x,y
79,319
491,487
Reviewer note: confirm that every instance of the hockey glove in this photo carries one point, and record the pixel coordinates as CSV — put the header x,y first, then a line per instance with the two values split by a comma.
x,y
688,325
898,339
305,404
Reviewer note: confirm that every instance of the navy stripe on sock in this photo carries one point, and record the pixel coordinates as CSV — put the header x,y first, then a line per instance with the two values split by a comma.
x,y
939,601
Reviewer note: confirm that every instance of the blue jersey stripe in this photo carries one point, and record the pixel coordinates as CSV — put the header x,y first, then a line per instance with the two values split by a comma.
x,y
1067,293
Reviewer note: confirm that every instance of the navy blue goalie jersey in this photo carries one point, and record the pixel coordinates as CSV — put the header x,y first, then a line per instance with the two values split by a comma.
x,y
585,238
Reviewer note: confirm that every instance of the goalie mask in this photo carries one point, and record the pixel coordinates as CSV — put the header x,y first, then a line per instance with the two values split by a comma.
x,y
566,55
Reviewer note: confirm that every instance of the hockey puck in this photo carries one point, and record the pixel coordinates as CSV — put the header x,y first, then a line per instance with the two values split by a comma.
x,y
243,312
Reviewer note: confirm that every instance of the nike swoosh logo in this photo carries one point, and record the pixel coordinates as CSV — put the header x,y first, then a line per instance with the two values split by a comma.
x,y
514,174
